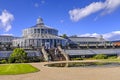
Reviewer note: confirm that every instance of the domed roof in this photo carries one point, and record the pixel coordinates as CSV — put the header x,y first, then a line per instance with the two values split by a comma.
x,y
40,21
40,24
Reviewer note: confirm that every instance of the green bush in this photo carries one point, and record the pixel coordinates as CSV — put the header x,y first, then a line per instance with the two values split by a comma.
x,y
18,56
112,57
3,61
100,56
34,59
76,58
11,59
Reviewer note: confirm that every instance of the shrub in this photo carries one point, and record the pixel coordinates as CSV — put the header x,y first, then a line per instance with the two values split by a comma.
x,y
18,56
76,58
100,56
112,57
11,59
3,61
34,59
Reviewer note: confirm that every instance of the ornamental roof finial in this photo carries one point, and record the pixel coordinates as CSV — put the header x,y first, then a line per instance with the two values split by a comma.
x,y
40,21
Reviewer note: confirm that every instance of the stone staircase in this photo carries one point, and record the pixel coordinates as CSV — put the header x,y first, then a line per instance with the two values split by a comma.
x,y
52,55
63,53
45,54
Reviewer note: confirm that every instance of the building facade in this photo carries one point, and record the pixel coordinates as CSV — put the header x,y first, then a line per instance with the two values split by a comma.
x,y
6,41
38,36
87,42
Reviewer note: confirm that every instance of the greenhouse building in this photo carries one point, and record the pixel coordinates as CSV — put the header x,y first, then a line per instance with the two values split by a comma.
x,y
39,35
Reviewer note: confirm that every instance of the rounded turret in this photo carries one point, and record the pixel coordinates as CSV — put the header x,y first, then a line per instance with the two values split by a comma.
x,y
40,21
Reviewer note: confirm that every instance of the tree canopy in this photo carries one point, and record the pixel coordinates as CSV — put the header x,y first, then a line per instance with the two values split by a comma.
x,y
64,36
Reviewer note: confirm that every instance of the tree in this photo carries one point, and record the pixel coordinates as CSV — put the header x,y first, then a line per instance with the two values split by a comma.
x,y
64,36
18,56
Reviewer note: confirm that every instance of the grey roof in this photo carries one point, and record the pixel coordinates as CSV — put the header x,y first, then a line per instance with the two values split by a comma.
x,y
92,51
42,27
86,39
5,54
6,36
45,36
33,53
40,24
78,52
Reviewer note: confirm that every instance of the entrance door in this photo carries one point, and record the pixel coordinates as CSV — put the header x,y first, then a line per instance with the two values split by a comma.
x,y
47,45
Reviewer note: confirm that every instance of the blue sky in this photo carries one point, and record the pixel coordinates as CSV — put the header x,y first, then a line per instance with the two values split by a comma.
x,y
71,17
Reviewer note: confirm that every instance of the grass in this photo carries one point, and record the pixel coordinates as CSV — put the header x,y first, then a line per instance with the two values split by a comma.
x,y
14,69
111,60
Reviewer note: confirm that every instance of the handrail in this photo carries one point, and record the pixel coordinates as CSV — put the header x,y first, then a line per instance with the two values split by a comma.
x,y
45,54
63,53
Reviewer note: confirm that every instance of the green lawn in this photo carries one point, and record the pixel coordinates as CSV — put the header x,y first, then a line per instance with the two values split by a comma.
x,y
111,60
12,69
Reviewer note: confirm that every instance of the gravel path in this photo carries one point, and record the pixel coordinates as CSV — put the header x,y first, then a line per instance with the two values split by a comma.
x,y
48,73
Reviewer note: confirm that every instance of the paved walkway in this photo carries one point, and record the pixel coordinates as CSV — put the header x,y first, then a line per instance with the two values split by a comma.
x,y
48,73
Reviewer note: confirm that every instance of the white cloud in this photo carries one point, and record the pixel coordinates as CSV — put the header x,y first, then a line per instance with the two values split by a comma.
x,y
36,5
5,20
39,4
115,35
89,35
42,2
77,14
111,5
108,6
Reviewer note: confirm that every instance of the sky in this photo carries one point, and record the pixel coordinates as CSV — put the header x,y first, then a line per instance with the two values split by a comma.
x,y
84,18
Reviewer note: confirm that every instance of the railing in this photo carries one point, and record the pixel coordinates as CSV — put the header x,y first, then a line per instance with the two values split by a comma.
x,y
63,53
45,54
